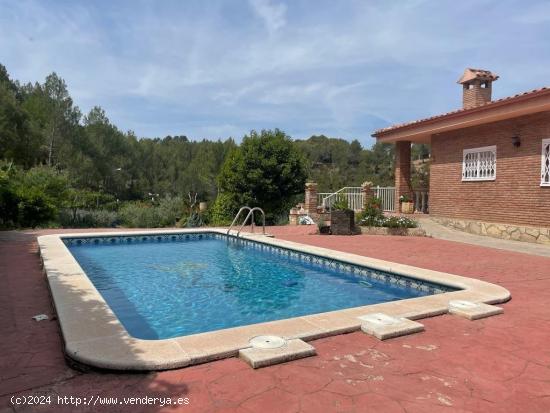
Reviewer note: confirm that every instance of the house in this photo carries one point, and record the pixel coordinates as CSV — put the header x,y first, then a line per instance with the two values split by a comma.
x,y
490,161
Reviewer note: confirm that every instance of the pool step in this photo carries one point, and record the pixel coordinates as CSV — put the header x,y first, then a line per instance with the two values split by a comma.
x,y
473,311
383,326
269,350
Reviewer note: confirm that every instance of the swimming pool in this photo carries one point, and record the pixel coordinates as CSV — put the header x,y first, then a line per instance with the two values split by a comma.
x,y
168,285
161,299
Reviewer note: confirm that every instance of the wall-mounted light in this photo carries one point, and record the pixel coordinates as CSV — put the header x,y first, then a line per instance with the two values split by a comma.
x,y
516,141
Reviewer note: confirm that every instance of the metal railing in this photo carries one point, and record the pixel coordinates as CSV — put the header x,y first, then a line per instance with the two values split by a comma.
x,y
250,214
387,196
244,208
353,195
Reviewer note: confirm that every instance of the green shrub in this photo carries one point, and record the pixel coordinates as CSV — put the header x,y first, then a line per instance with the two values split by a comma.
x,y
30,198
9,200
206,216
167,213
223,210
341,202
139,215
47,183
170,211
281,219
34,207
372,221
372,216
82,218
400,222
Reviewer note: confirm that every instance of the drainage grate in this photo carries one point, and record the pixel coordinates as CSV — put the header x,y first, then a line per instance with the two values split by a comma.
x,y
264,342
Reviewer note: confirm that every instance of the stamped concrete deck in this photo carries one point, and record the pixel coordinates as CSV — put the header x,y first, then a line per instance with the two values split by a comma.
x,y
498,364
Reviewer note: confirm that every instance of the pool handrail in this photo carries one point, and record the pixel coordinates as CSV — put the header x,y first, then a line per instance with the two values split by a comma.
x,y
251,213
237,217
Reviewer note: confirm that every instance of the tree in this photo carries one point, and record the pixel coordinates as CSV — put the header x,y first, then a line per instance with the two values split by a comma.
x,y
18,141
53,115
266,170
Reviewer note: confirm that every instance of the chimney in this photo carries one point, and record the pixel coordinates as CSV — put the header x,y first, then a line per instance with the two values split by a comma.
x,y
477,86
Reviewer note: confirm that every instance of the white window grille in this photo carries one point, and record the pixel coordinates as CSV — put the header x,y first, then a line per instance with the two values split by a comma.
x,y
545,163
479,164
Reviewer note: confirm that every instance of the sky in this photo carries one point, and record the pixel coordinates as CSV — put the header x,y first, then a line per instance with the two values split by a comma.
x,y
219,68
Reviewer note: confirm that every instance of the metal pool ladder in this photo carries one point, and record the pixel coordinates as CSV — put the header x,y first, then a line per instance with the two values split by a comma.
x,y
250,214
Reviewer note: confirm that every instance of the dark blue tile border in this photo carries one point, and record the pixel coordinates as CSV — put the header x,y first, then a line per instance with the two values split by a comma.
x,y
369,273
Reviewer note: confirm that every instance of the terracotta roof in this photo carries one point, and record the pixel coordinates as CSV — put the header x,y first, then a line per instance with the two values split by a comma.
x,y
462,112
471,74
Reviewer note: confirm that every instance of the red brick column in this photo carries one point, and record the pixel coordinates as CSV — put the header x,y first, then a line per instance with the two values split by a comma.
x,y
366,189
402,171
311,198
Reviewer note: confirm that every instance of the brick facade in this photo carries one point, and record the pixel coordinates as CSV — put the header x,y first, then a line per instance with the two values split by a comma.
x,y
474,95
515,196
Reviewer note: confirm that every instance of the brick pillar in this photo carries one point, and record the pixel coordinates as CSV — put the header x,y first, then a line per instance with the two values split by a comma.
x,y
366,189
402,171
311,198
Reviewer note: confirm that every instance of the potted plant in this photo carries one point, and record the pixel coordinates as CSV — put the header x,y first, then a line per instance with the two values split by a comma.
x,y
407,206
324,229
342,219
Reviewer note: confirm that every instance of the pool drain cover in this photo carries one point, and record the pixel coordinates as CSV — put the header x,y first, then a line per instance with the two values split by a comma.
x,y
267,342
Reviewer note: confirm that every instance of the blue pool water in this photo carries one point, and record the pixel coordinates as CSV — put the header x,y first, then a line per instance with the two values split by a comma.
x,y
172,286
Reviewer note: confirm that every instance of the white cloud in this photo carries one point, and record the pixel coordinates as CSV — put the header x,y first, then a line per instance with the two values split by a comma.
x,y
340,68
273,15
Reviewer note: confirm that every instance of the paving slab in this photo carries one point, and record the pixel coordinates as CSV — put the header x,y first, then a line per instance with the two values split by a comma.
x,y
506,368
383,326
262,355
473,311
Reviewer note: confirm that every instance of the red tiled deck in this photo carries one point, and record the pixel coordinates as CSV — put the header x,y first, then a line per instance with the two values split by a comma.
x,y
500,364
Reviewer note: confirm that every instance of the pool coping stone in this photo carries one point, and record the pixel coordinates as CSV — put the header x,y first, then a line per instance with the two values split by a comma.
x,y
93,335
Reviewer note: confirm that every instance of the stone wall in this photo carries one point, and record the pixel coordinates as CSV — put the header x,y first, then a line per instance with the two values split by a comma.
x,y
342,222
537,235
411,232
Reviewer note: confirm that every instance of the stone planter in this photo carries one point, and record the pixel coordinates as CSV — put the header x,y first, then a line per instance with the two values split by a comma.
x,y
407,207
342,222
411,232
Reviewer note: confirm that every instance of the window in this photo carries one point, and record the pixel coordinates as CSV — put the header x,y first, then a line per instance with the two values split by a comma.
x,y
545,163
479,164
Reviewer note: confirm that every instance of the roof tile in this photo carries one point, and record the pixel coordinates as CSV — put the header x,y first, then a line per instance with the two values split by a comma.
x,y
509,99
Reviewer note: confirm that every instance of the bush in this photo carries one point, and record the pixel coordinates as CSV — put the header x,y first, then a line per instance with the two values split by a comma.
x,y
9,200
372,216
170,211
139,215
167,213
82,218
400,222
341,203
223,210
30,198
34,207
389,222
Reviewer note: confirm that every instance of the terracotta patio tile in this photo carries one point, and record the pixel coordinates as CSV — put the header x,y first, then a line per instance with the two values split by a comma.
x,y
500,364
